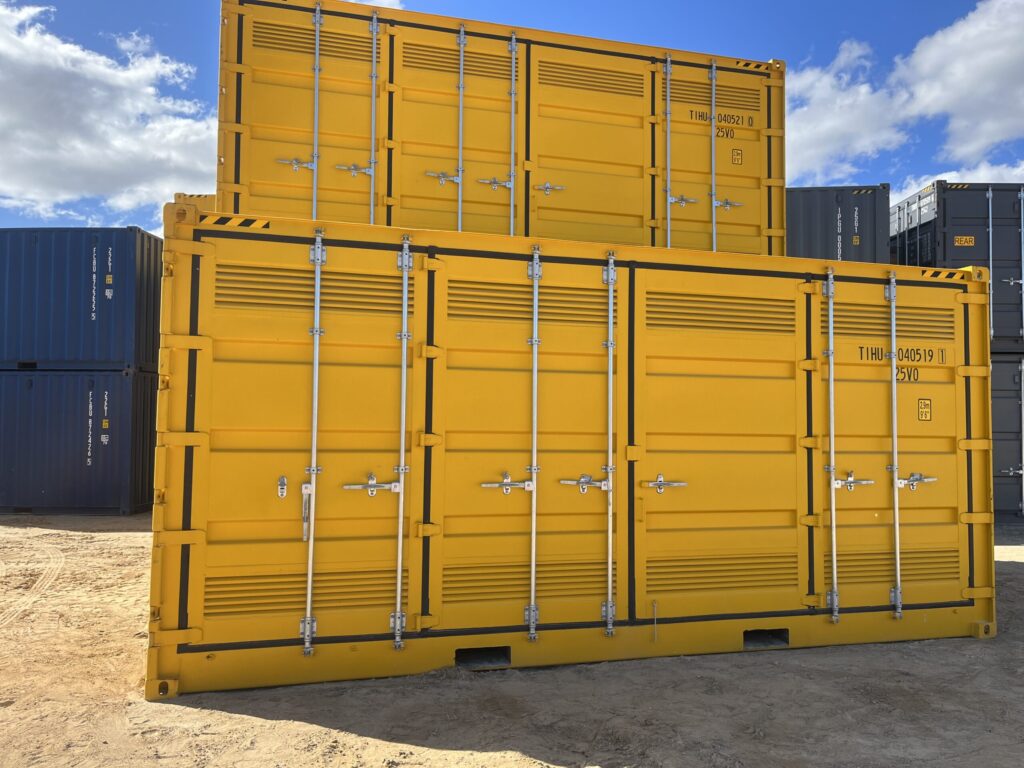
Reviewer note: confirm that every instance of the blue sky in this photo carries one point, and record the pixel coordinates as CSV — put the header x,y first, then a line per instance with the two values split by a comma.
x,y
896,92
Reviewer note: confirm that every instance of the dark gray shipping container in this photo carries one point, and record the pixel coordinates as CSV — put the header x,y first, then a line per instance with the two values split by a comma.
x,y
842,223
73,441
951,226
1006,433
79,299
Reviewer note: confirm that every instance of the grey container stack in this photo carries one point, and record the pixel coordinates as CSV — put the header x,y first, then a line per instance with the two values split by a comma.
x,y
78,361
955,225
842,223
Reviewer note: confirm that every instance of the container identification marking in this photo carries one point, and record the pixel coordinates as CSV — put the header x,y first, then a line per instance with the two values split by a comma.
x,y
963,241
924,410
904,354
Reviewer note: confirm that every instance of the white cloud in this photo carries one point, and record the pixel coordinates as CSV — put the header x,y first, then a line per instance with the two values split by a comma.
x,y
996,173
967,75
81,125
384,3
836,117
970,73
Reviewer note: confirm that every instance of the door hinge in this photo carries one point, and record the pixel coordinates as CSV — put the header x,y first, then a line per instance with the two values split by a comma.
x,y
421,621
976,518
178,538
810,288
425,530
430,352
811,521
974,445
429,440
634,453
162,638
813,365
970,593
814,601
809,442
972,298
980,371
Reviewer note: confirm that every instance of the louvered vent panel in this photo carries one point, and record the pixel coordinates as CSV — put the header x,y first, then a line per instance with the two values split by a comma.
x,y
281,593
511,581
737,571
879,567
590,79
334,45
702,312
253,287
438,59
473,300
726,96
911,322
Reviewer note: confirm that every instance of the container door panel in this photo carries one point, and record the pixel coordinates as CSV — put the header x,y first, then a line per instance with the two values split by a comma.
x,y
718,407
260,403
930,403
427,123
480,564
590,146
275,101
1006,433
739,158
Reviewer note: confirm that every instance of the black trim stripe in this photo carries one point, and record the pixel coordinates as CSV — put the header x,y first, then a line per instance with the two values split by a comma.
x,y
238,110
189,463
654,159
631,430
518,629
528,110
768,175
809,384
428,451
970,454
388,209
503,38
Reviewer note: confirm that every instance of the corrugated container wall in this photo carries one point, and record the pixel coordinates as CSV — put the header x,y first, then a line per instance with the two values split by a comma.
x,y
950,226
841,223
436,123
77,441
79,299
675,506
1007,426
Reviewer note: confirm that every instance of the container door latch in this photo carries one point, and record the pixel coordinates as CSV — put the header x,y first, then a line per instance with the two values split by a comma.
x,y
660,484
507,485
851,482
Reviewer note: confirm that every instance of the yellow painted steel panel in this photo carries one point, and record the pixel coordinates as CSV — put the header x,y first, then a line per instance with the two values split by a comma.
x,y
719,381
562,136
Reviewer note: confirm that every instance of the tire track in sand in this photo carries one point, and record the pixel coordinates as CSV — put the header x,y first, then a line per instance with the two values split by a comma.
x,y
51,570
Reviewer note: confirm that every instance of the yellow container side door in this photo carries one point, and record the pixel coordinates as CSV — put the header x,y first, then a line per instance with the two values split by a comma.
x,y
480,563
260,404
590,145
931,419
427,130
276,105
720,406
740,157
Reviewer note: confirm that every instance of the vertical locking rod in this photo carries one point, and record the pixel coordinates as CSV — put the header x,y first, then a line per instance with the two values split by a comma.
x,y
535,276
991,282
668,150
513,48
374,32
318,22
713,75
318,257
830,293
897,590
609,606
460,171
404,337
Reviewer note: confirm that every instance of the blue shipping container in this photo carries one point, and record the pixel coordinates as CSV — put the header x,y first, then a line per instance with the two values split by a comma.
x,y
79,299
78,442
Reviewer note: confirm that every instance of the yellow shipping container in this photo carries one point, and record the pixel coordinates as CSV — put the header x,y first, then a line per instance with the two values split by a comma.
x,y
603,454
471,126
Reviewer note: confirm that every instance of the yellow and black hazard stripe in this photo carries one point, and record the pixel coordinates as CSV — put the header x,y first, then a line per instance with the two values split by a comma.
x,y
958,274
234,221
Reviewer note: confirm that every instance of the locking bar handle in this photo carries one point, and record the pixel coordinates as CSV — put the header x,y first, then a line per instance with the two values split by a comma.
x,y
507,484
914,480
495,183
661,484
547,188
443,178
585,482
682,201
355,169
371,486
850,483
297,164
1012,472
727,204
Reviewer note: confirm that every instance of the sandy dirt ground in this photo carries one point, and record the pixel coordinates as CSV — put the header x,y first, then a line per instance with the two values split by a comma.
x,y
73,604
